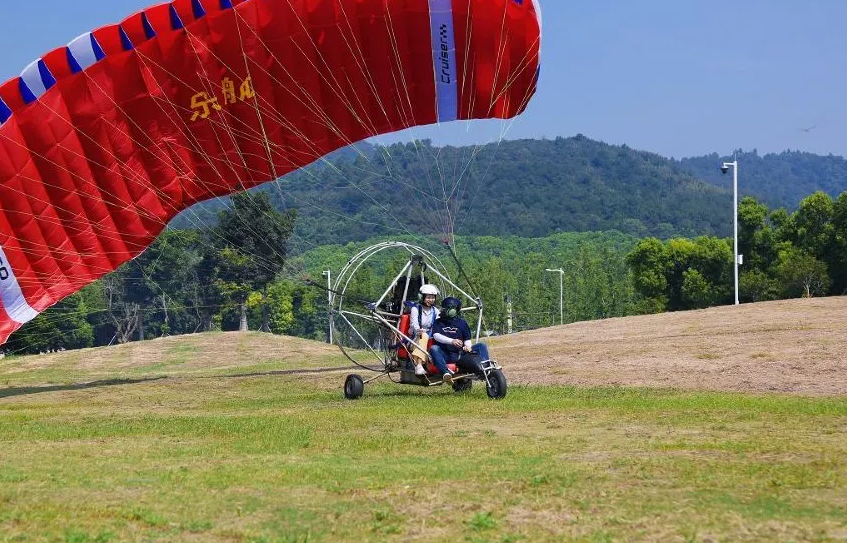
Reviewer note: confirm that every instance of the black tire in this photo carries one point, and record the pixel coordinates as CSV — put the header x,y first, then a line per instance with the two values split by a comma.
x,y
496,387
354,387
463,386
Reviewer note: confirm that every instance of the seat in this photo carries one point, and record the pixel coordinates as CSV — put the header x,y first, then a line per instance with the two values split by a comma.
x,y
432,370
403,352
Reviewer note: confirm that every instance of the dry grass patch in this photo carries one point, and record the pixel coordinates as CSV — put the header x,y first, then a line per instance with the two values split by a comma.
x,y
714,349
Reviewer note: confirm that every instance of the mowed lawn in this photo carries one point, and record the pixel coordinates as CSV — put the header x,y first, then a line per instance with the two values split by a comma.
x,y
273,457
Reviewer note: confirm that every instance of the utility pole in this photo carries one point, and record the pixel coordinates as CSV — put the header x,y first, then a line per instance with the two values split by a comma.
x,y
738,258
508,314
561,273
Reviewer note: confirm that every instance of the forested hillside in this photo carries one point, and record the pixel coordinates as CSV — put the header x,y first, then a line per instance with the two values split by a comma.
x,y
527,188
778,180
530,188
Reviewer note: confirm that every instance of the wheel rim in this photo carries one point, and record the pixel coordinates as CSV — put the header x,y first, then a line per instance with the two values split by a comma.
x,y
495,382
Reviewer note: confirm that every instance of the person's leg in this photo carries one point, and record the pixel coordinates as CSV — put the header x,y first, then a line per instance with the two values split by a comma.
x,y
419,354
482,349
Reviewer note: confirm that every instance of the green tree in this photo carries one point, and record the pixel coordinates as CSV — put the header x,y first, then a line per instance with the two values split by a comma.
x,y
800,273
235,281
814,228
813,222
123,290
838,262
64,326
712,258
756,286
754,234
203,292
648,262
680,252
252,239
666,272
697,292
170,264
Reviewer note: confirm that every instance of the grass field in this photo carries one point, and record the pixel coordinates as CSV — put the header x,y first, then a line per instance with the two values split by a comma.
x,y
177,452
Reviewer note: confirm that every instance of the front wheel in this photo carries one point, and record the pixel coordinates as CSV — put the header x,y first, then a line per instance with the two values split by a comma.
x,y
354,387
496,386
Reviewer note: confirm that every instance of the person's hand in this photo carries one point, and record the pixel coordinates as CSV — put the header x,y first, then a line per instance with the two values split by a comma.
x,y
467,349
458,342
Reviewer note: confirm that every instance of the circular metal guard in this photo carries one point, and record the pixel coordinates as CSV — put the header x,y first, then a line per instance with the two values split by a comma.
x,y
366,310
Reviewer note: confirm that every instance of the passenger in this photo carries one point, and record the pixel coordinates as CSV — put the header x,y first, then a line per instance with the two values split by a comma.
x,y
452,337
421,320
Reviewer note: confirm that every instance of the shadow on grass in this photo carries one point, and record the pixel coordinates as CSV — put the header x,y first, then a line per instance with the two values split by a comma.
x,y
278,372
23,391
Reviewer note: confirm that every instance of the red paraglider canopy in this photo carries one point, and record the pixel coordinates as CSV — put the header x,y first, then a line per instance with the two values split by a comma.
x,y
105,140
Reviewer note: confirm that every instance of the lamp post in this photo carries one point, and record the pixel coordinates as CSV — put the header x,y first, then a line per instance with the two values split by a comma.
x,y
561,273
736,257
328,274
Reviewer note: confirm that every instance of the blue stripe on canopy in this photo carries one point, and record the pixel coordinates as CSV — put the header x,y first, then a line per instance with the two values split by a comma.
x,y
444,59
26,93
197,7
176,22
5,112
148,28
125,41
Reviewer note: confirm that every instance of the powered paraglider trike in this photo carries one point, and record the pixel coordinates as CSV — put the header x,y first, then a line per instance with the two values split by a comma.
x,y
374,333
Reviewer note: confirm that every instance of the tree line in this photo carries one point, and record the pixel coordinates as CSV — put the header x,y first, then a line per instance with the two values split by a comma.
x,y
240,275
785,255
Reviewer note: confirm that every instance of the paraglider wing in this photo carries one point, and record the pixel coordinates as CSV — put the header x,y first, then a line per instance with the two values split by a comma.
x,y
105,140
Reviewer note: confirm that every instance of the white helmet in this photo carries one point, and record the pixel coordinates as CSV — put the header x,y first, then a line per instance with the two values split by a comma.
x,y
429,289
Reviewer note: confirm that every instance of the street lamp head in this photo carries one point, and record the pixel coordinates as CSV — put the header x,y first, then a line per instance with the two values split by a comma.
x,y
724,168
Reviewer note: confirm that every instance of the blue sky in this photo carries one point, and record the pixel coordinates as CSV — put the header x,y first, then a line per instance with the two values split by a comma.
x,y
679,78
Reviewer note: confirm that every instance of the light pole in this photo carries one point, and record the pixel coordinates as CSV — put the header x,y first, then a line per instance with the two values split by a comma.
x,y
561,273
328,274
724,168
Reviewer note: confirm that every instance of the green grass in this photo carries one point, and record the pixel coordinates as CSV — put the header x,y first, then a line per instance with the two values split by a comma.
x,y
279,458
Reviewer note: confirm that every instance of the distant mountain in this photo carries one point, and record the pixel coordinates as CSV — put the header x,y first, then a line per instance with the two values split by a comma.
x,y
530,188
779,180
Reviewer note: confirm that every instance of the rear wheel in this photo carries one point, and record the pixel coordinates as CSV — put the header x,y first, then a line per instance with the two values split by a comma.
x,y
463,386
354,387
496,387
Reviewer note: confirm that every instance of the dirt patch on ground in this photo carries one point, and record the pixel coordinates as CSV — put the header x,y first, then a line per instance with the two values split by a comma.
x,y
792,346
